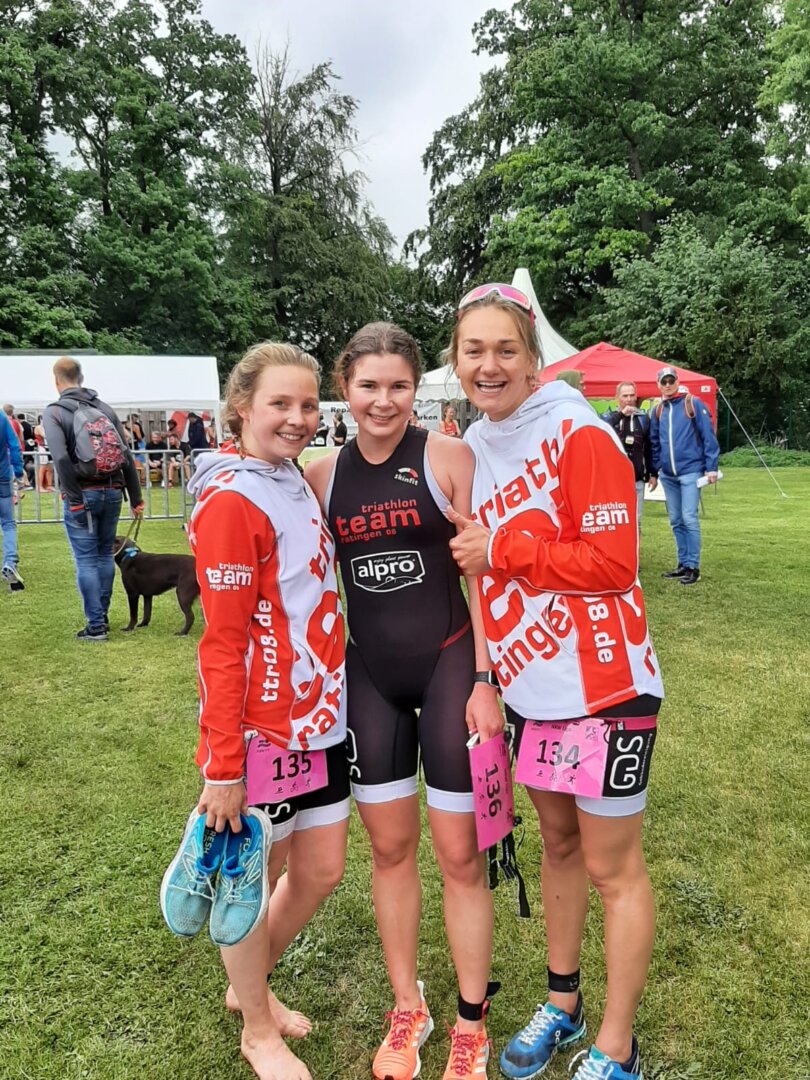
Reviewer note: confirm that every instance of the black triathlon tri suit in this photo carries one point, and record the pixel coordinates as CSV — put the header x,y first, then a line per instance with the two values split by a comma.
x,y
411,643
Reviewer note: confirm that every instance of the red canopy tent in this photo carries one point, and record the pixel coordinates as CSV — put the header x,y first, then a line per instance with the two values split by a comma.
x,y
603,366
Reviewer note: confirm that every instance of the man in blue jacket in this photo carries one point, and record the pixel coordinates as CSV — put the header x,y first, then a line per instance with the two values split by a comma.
x,y
11,470
684,450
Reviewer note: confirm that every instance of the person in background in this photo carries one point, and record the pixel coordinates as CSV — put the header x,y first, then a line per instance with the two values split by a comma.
x,y
15,423
632,426
197,439
137,431
156,457
130,441
684,449
29,449
44,459
321,432
414,420
339,430
176,460
92,504
449,424
574,379
11,472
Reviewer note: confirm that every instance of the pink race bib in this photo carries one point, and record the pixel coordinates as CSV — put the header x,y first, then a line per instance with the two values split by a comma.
x,y
492,791
591,757
274,774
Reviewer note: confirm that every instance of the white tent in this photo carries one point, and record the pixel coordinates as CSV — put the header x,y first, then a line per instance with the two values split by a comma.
x,y
125,382
442,383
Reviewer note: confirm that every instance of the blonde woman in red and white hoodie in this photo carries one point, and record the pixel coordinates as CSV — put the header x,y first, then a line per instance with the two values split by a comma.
x,y
553,541
271,665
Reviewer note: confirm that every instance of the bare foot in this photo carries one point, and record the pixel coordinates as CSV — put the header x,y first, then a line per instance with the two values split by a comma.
x,y
271,1060
289,1022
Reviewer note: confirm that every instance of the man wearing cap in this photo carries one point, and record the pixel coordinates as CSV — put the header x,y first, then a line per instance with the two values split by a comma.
x,y
684,449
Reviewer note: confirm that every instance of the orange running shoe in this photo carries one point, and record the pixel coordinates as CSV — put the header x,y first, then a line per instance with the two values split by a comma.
x,y
469,1054
398,1057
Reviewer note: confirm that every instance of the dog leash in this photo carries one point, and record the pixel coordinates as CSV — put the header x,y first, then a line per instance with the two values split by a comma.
x,y
134,524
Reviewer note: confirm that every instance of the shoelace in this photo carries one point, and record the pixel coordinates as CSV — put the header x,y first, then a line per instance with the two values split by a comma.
x,y
589,1069
541,1023
463,1052
201,884
198,881
235,884
402,1023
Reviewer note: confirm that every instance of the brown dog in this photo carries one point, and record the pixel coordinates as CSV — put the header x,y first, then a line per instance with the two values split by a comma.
x,y
145,575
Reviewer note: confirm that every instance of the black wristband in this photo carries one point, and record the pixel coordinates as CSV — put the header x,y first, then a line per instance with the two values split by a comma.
x,y
487,677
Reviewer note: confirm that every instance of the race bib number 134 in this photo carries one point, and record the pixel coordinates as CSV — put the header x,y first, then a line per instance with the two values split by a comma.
x,y
594,758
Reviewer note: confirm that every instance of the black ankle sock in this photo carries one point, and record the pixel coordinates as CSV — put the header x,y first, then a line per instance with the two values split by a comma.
x,y
576,1012
632,1061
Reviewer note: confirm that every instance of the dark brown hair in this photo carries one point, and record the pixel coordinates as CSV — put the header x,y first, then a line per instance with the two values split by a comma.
x,y
378,338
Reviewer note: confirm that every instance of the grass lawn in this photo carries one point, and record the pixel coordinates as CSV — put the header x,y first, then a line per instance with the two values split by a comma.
x,y
96,749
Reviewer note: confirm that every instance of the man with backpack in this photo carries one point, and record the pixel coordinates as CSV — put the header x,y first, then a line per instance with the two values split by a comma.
x,y
685,449
94,465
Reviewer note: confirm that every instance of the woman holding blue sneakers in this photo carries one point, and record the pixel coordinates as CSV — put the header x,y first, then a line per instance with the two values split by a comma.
x,y
272,705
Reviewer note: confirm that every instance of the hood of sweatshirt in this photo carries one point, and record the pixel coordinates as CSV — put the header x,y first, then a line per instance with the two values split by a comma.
x,y
79,393
553,397
209,466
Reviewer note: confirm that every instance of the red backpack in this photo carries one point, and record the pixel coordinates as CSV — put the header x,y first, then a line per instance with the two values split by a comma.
x,y
100,450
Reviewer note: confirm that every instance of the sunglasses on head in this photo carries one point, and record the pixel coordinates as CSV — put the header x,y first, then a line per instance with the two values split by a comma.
x,y
505,292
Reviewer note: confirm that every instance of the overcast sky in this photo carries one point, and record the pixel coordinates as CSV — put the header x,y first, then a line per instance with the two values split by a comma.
x,y
409,65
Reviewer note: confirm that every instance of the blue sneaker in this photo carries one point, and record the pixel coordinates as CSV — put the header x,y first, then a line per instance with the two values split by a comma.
x,y
187,889
550,1029
594,1065
242,892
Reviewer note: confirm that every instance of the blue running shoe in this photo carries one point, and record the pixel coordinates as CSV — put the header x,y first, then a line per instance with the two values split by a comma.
x,y
594,1065
240,901
550,1029
187,889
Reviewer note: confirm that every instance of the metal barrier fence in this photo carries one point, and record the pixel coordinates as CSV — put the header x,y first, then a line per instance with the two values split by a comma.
x,y
163,474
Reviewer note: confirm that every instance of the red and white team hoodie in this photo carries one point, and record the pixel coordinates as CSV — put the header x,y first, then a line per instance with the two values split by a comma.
x,y
562,605
272,655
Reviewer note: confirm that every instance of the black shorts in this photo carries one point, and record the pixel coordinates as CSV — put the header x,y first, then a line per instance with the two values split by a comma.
x,y
326,806
387,739
633,798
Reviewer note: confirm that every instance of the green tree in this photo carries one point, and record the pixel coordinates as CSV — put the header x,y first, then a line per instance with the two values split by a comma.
x,y
149,98
304,250
785,100
44,296
731,307
605,118
417,305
